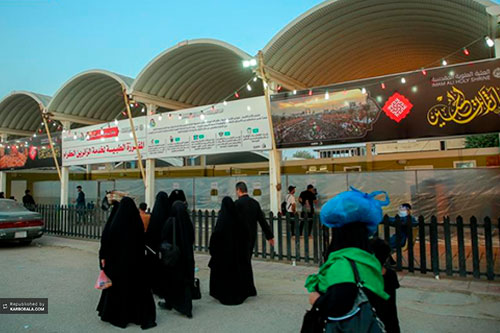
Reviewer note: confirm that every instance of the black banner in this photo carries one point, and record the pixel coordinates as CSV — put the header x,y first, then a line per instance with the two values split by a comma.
x,y
29,153
450,101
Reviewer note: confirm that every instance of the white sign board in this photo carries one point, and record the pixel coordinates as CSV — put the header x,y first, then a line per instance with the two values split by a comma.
x,y
240,125
103,143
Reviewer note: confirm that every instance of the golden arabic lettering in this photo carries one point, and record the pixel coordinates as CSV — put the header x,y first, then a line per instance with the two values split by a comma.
x,y
461,110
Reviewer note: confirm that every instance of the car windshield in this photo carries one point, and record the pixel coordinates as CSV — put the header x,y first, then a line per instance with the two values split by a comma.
x,y
10,206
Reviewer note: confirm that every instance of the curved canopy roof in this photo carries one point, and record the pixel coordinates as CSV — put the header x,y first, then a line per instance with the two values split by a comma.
x,y
20,112
91,97
195,72
343,40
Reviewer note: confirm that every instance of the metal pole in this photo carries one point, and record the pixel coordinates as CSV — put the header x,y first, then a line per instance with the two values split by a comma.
x,y
45,116
139,159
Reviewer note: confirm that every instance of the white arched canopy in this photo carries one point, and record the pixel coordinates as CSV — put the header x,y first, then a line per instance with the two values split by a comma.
x,y
90,97
20,112
195,72
343,40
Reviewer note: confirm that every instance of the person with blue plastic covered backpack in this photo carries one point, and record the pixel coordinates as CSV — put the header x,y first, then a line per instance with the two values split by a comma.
x,y
350,280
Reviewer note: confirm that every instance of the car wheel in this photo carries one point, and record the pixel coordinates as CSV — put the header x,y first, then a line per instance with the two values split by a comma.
x,y
25,242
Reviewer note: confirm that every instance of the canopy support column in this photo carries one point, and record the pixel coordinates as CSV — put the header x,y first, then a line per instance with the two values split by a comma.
x,y
274,155
150,168
3,174
65,172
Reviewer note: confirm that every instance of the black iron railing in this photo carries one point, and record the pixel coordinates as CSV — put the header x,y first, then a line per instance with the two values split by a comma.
x,y
454,247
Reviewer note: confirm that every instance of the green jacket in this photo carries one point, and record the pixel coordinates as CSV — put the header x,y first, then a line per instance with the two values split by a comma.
x,y
337,269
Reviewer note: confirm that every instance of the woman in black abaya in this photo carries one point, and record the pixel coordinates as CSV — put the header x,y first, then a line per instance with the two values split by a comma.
x,y
229,279
176,282
160,214
178,195
129,299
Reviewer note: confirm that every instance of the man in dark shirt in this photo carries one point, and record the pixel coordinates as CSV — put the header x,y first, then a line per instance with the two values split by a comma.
x,y
28,200
248,214
80,204
308,199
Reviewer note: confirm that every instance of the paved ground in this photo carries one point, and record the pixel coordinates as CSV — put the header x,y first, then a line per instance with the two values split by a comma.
x,y
64,270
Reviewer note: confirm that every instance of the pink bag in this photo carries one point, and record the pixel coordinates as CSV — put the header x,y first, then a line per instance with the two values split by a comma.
x,y
103,281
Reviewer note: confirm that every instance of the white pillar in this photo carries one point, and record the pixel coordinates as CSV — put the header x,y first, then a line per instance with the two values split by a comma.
x,y
65,173
150,182
203,160
3,174
150,168
275,180
497,47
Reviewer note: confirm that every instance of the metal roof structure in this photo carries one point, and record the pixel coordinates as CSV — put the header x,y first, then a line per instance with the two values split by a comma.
x,y
90,97
20,112
192,73
335,41
344,40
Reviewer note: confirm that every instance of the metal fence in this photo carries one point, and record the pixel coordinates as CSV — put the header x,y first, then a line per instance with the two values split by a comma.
x,y
457,247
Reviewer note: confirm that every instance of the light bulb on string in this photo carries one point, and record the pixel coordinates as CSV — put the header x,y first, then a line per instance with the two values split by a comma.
x,y
489,41
34,135
279,87
160,117
363,90
74,137
255,79
444,62
180,116
202,116
327,95
295,92
116,121
382,85
143,109
466,51
116,138
424,72
102,132
225,103
236,94
310,92
403,80
249,87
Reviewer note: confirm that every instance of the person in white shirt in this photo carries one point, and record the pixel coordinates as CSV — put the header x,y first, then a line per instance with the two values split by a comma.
x,y
291,206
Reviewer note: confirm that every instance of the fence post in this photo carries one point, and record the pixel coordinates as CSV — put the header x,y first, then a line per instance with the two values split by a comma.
x,y
421,239
206,231
280,235
475,248
387,232
489,248
434,246
315,237
264,241
306,237
271,222
200,230
447,246
297,238
409,239
398,243
288,237
461,247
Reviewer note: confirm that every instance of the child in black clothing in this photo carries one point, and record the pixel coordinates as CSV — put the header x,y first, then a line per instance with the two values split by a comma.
x,y
387,312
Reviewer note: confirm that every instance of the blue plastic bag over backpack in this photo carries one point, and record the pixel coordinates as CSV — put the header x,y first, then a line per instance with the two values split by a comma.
x,y
354,206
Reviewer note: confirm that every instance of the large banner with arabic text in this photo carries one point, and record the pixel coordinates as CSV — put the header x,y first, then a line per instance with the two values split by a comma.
x,y
447,101
30,153
103,143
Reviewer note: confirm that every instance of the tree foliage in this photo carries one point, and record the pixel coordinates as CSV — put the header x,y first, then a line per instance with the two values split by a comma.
x,y
482,141
303,154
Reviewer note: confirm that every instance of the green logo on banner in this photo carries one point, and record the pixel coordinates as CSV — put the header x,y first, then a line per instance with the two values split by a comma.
x,y
202,136
255,130
227,133
177,139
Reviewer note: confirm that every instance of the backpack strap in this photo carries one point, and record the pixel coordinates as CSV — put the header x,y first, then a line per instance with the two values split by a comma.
x,y
357,278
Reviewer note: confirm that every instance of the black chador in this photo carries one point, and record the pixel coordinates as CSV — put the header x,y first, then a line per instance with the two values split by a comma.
x,y
231,279
176,282
129,299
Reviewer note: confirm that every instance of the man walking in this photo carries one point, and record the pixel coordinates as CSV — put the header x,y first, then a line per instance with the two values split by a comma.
x,y
308,199
80,203
28,200
291,206
249,213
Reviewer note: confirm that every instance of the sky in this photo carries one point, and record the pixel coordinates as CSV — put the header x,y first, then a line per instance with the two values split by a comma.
x,y
46,42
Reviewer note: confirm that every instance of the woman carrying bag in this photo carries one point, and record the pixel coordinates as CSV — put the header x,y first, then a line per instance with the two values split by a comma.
x,y
350,282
